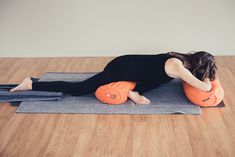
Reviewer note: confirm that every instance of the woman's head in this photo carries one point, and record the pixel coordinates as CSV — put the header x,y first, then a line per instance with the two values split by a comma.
x,y
201,64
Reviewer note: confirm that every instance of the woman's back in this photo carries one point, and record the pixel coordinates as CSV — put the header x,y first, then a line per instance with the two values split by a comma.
x,y
138,67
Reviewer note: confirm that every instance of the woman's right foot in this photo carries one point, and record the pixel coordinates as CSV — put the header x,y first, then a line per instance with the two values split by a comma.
x,y
138,99
25,85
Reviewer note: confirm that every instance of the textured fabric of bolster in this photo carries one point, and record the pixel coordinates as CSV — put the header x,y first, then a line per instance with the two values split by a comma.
x,y
202,98
114,93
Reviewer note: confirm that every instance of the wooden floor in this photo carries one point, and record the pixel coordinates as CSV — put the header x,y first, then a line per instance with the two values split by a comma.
x,y
211,134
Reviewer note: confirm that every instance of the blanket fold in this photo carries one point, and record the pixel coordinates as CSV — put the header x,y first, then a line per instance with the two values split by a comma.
x,y
29,95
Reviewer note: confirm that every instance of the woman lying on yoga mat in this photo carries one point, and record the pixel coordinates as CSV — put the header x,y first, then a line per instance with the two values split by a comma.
x,y
149,71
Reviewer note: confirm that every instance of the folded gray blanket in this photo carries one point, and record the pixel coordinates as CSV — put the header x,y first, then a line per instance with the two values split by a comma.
x,y
19,96
6,96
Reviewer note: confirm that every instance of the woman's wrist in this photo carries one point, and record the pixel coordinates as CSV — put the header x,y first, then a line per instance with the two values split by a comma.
x,y
208,82
209,85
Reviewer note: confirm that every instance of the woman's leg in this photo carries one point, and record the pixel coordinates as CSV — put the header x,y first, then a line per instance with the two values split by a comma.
x,y
145,86
75,88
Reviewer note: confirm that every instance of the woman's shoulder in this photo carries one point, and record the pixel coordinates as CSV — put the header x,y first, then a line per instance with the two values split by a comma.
x,y
170,65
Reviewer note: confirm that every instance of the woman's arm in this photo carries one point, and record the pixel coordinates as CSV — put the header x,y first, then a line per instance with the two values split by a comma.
x,y
207,81
187,76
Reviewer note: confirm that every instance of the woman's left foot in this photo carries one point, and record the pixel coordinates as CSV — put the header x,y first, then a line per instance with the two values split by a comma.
x,y
138,99
25,85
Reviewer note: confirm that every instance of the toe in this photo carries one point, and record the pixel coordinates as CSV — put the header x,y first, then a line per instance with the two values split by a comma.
x,y
147,101
12,90
15,88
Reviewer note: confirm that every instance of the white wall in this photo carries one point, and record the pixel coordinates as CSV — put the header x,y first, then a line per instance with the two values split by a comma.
x,y
30,28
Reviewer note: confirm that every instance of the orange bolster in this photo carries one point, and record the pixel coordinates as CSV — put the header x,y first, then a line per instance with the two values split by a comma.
x,y
114,93
202,98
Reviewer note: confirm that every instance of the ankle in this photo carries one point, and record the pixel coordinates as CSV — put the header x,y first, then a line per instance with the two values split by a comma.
x,y
30,84
132,93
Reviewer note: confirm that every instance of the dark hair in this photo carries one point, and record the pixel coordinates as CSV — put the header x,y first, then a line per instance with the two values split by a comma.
x,y
201,64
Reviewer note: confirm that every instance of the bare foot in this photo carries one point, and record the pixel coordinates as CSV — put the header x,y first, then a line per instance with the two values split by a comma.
x,y
138,99
25,85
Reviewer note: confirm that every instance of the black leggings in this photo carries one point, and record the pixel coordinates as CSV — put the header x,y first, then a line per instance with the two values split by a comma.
x,y
75,88
89,85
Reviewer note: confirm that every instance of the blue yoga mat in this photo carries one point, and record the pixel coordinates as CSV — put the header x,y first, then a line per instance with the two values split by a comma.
x,y
168,98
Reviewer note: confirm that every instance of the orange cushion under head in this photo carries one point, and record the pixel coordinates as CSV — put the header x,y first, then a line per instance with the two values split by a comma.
x,y
202,98
115,92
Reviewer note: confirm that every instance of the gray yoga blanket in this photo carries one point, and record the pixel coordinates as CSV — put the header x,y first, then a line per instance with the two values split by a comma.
x,y
19,96
6,96
167,98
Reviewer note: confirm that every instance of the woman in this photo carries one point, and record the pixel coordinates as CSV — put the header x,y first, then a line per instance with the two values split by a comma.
x,y
149,71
